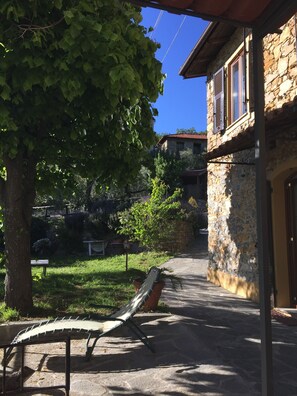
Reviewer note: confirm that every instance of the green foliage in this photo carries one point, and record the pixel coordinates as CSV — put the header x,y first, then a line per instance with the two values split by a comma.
x,y
36,277
63,238
69,241
42,247
8,314
96,225
151,222
191,131
192,202
77,82
168,168
39,229
192,161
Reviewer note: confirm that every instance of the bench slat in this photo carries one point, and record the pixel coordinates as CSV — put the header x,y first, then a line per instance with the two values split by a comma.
x,y
40,263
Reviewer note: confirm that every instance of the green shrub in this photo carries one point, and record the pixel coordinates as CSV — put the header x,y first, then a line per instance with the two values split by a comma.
x,y
39,229
96,225
152,222
42,247
69,241
64,238
7,314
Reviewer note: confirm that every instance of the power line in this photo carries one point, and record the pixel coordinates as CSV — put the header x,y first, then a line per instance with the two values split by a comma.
x,y
156,23
174,38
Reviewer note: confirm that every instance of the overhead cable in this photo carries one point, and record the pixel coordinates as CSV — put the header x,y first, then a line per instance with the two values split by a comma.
x,y
174,38
156,23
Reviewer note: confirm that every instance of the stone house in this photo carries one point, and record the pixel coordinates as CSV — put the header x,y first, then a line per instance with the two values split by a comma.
x,y
184,141
223,54
194,181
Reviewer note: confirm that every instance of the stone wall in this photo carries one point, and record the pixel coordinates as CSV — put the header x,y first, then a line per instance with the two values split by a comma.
x,y
280,64
188,144
181,237
231,188
284,151
232,216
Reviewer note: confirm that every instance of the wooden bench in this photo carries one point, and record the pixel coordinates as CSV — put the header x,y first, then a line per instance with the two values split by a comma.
x,y
40,263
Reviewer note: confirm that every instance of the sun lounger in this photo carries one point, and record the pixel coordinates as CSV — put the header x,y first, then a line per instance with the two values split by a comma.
x,y
97,326
94,328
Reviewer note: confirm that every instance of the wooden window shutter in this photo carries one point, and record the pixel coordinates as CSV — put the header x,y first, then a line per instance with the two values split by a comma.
x,y
218,106
251,77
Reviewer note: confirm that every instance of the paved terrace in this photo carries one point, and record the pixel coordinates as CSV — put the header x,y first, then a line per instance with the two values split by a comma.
x,y
207,345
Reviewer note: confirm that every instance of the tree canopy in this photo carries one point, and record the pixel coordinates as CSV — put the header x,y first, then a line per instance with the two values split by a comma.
x,y
77,79
189,131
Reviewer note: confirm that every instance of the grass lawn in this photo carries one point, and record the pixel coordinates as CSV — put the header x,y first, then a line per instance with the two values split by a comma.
x,y
72,286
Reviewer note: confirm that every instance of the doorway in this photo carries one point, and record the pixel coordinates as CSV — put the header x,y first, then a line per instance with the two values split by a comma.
x,y
291,221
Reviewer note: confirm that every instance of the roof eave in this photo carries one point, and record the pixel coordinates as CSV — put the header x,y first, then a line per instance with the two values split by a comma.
x,y
200,43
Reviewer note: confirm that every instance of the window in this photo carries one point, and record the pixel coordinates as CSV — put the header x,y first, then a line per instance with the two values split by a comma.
x,y
234,103
180,146
197,148
237,86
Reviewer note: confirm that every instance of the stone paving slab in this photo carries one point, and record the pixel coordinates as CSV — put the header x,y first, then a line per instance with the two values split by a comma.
x,y
207,345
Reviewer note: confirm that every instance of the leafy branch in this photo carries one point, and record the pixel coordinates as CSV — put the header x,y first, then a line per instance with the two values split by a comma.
x,y
33,28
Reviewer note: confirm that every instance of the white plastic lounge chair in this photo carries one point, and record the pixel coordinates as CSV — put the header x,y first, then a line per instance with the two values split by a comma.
x,y
96,327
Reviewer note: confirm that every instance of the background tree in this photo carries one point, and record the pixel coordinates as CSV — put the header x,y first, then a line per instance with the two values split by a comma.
x,y
77,78
192,161
168,169
190,131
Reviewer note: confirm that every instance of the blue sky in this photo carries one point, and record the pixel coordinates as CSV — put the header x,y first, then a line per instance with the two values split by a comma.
x,y
183,104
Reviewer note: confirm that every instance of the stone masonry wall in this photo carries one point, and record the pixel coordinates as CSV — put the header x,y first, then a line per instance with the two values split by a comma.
x,y
280,65
285,150
180,238
232,216
231,188
188,144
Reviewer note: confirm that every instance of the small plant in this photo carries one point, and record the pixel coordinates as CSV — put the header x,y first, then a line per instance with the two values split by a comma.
x,y
192,202
7,314
36,277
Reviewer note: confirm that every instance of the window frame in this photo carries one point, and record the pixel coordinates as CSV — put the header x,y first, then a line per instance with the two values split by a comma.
x,y
242,108
180,146
223,97
197,148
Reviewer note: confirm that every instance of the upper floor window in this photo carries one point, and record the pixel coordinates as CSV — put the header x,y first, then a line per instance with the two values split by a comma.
x,y
237,87
230,96
180,146
197,148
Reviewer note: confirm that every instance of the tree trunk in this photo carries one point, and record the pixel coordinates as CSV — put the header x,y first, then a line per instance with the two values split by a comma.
x,y
19,195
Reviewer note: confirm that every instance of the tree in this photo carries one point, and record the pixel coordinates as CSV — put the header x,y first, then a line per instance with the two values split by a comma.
x,y
77,78
192,161
189,131
153,221
168,169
